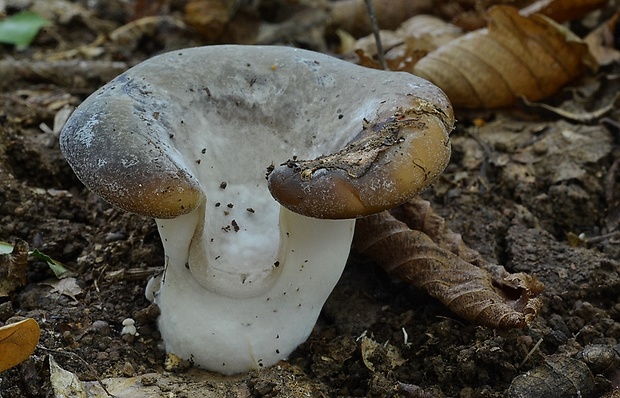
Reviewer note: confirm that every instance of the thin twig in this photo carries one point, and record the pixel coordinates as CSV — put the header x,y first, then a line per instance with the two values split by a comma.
x,y
83,361
529,354
370,8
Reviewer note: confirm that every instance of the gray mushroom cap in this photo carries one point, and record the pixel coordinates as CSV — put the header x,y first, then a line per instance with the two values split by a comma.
x,y
359,124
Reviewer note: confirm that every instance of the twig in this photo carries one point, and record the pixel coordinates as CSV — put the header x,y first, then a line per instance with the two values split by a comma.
x,y
529,354
375,30
597,239
83,361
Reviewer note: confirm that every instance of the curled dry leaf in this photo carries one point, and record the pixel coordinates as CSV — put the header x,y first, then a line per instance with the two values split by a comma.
x,y
65,383
487,296
603,43
514,57
558,377
13,267
221,21
419,215
17,342
405,46
380,357
563,10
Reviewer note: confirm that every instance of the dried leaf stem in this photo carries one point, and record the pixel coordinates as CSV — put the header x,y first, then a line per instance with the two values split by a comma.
x,y
487,296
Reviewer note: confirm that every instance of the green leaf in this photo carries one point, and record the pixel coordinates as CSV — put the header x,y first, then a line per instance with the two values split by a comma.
x,y
5,247
56,266
20,29
59,269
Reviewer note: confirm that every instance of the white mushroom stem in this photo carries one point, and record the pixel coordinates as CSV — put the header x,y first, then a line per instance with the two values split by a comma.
x,y
229,334
189,138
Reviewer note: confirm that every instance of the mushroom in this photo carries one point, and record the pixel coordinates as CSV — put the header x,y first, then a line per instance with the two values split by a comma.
x,y
204,139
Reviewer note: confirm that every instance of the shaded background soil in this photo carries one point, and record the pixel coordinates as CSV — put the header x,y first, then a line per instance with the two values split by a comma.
x,y
528,190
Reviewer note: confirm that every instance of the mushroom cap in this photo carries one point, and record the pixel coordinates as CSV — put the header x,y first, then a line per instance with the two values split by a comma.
x,y
121,157
376,137
392,159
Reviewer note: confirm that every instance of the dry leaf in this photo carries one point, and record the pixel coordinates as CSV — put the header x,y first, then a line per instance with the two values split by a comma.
x,y
209,17
65,383
352,15
515,56
487,296
222,21
17,342
429,32
558,376
602,42
67,287
405,46
13,267
380,357
563,10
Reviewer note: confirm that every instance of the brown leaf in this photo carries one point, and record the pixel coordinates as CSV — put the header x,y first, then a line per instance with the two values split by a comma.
x,y
209,17
490,297
17,342
380,357
13,267
603,43
352,15
563,10
405,46
221,21
558,376
67,287
515,56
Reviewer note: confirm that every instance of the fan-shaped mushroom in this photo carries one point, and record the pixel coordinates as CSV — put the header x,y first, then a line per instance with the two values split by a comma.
x,y
187,138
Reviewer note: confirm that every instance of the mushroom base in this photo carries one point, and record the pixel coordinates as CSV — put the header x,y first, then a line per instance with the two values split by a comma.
x,y
233,335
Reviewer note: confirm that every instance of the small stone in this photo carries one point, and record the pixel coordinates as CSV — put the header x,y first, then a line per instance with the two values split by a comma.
x,y
6,311
128,370
174,363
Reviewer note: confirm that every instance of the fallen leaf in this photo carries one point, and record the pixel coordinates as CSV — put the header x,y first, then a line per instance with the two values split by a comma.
x,y
17,342
67,287
382,356
558,376
603,43
405,46
56,266
576,116
21,29
65,383
563,10
352,15
514,57
13,266
484,294
14,263
222,21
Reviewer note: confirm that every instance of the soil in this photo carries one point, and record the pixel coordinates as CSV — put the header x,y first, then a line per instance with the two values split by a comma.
x,y
529,190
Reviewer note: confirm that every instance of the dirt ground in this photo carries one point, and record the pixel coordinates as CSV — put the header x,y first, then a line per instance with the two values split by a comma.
x,y
528,189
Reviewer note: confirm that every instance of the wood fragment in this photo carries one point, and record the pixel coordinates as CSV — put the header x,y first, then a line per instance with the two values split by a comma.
x,y
488,296
70,74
